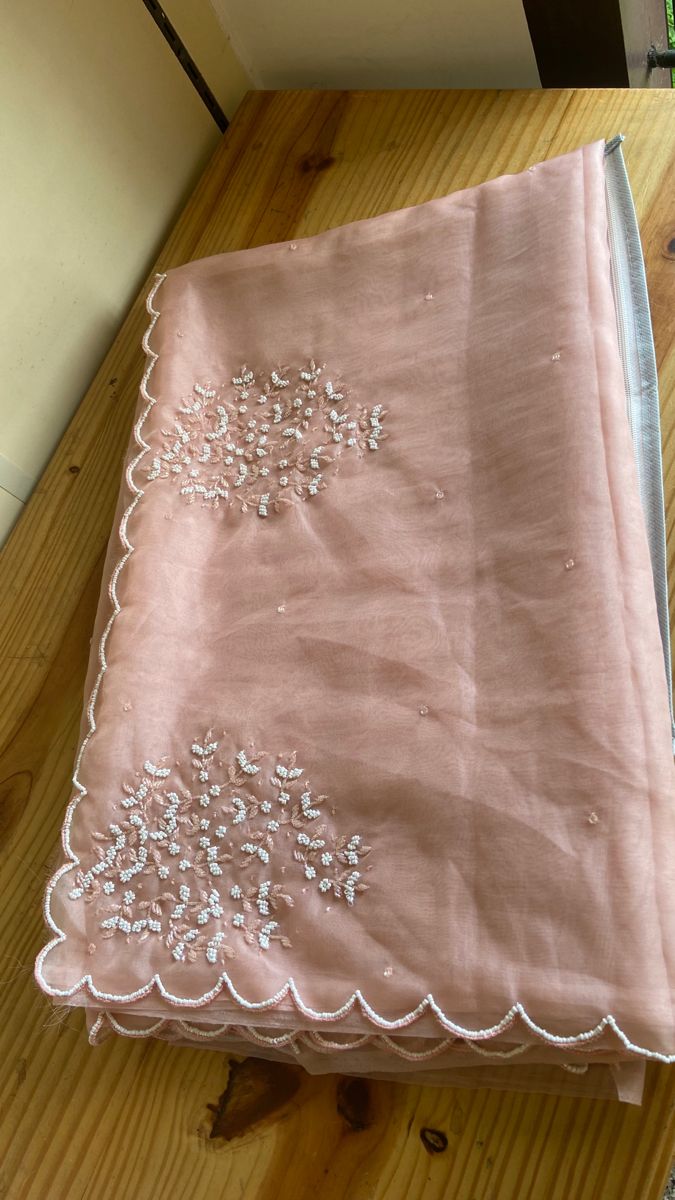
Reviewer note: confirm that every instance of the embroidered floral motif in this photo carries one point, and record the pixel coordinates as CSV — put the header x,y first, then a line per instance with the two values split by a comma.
x,y
196,866
266,441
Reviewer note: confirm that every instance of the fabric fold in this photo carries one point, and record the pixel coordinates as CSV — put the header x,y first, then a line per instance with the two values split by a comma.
x,y
375,767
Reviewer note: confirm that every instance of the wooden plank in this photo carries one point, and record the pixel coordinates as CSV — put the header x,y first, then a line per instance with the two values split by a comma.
x,y
133,1119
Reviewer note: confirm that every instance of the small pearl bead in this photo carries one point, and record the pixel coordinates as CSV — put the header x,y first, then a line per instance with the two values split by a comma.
x,y
281,608
293,246
440,495
424,710
388,971
569,564
556,356
429,296
126,706
593,818
179,333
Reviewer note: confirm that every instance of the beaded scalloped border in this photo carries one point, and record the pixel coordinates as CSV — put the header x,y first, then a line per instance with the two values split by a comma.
x,y
307,1039
427,1005
289,990
137,493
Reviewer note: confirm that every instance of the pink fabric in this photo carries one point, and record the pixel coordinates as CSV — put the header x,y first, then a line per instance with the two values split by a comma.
x,y
450,622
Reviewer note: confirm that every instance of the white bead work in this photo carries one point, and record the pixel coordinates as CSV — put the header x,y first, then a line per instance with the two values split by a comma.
x,y
257,443
162,842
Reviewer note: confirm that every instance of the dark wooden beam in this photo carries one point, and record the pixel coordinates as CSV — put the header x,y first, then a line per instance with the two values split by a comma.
x,y
597,43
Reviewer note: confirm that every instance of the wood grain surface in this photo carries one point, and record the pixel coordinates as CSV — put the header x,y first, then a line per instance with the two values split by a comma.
x,y
142,1119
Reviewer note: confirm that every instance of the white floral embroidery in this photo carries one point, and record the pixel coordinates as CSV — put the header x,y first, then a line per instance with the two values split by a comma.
x,y
171,844
263,443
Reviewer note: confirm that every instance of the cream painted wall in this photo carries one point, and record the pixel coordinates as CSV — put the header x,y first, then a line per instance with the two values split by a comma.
x,y
210,45
381,43
102,138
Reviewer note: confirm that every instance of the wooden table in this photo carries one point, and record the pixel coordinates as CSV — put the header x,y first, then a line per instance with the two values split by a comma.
x,y
144,1120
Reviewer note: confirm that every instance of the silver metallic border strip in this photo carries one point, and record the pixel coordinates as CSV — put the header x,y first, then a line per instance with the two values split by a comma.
x,y
639,364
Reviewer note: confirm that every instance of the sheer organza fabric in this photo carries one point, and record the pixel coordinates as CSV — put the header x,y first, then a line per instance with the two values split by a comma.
x,y
375,769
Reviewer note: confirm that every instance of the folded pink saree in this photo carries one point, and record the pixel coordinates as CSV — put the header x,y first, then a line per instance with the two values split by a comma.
x,y
376,764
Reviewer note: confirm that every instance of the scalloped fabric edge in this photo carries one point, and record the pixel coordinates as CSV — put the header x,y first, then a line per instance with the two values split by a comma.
x,y
309,1039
